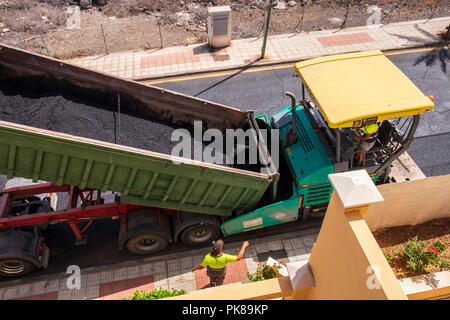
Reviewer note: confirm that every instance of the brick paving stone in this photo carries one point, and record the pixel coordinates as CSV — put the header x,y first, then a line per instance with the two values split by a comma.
x,y
173,267
10,293
186,263
300,251
287,245
43,296
160,267
236,272
52,285
309,241
161,282
120,274
125,288
252,265
189,286
84,293
106,276
296,243
250,251
24,290
146,269
344,39
197,259
274,245
188,276
43,286
261,247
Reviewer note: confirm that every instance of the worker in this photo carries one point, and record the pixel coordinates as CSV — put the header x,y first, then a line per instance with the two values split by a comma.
x,y
367,141
216,261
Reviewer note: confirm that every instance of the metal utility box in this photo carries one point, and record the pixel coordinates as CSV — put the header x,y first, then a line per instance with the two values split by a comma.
x,y
219,26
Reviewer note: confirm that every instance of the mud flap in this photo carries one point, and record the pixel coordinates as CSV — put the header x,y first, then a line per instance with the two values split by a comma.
x,y
45,256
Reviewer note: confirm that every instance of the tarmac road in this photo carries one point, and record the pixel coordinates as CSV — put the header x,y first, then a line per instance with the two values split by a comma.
x,y
262,91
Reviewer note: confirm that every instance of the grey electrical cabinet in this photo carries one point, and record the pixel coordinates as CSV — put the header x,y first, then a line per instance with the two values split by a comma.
x,y
219,26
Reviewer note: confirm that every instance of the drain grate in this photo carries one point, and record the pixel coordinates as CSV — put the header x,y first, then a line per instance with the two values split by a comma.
x,y
275,254
221,57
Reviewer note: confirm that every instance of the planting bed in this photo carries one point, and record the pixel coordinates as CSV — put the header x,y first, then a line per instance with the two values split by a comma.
x,y
393,238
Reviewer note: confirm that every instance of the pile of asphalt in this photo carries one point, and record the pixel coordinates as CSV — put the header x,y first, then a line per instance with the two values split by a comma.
x,y
59,106
71,115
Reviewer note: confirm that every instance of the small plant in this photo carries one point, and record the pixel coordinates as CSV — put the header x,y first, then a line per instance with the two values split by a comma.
x,y
419,254
388,258
264,272
155,294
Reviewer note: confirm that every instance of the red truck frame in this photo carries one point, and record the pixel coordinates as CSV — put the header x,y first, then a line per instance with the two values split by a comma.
x,y
143,229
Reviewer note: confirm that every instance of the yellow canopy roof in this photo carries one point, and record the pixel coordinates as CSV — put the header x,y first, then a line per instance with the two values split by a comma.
x,y
358,88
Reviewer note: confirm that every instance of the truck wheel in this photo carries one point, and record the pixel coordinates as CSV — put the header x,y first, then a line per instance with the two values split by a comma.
x,y
14,267
146,243
200,234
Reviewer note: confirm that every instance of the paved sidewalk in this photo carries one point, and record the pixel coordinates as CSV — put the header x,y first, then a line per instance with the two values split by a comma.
x,y
122,280
179,60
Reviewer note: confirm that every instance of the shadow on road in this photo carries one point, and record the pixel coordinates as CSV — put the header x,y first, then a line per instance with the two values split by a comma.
x,y
441,55
245,67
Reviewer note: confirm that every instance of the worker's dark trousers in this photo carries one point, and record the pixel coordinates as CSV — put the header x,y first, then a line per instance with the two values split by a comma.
x,y
216,276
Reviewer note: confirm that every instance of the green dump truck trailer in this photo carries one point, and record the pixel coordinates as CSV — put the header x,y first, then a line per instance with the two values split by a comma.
x,y
161,198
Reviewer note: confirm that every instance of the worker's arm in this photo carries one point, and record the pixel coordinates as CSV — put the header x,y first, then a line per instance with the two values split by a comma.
x,y
242,251
199,267
364,137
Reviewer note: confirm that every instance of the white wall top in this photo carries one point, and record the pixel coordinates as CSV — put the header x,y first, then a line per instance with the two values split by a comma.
x,y
220,9
355,188
300,274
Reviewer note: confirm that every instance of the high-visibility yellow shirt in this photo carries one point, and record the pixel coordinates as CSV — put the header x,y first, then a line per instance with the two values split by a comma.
x,y
371,128
218,262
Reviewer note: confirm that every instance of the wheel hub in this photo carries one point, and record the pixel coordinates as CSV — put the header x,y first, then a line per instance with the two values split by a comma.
x,y
12,267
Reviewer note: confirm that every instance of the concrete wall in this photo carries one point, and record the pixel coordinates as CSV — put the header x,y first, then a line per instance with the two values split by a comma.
x,y
410,203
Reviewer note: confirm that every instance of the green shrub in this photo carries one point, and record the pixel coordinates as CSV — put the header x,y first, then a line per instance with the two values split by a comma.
x,y
264,272
388,258
419,254
155,294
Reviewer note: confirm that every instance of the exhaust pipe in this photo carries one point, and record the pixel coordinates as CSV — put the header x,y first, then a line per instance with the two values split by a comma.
x,y
291,135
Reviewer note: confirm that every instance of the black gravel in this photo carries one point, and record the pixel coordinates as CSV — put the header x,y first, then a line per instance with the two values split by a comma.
x,y
69,115
62,107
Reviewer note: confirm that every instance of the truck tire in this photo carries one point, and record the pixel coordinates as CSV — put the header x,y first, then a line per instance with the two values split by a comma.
x,y
200,234
146,243
147,231
14,267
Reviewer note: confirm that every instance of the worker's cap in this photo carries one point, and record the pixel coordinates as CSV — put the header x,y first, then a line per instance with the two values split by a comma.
x,y
217,245
370,128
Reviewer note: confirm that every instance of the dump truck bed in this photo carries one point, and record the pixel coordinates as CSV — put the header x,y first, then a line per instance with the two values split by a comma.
x,y
141,176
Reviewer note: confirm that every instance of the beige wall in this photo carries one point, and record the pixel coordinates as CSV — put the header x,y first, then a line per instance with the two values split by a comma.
x,y
340,259
410,203
260,290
